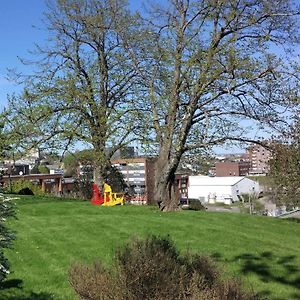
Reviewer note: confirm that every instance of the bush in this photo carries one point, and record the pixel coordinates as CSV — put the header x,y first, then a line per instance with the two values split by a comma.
x,y
7,210
195,204
94,282
43,169
24,187
35,170
83,189
154,269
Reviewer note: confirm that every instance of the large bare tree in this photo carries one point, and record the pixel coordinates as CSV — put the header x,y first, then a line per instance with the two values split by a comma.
x,y
208,68
81,84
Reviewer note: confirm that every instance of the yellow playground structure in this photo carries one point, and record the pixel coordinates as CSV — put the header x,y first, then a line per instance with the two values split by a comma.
x,y
108,198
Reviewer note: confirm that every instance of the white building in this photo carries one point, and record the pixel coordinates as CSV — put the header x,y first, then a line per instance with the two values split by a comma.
x,y
220,189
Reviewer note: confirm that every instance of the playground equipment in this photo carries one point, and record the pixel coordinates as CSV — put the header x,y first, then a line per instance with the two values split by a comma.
x,y
109,199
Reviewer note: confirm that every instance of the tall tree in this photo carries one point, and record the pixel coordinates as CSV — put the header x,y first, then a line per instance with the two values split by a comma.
x,y
285,168
81,85
207,68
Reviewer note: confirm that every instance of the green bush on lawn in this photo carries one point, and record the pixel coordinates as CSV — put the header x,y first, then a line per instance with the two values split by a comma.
x,y
153,269
23,187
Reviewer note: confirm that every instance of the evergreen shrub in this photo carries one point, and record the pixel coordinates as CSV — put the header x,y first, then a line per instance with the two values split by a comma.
x,y
7,210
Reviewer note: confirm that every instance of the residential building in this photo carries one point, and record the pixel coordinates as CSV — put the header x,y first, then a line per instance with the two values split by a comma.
x,y
232,168
259,158
139,174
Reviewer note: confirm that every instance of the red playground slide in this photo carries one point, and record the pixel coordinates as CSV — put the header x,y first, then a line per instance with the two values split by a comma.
x,y
97,197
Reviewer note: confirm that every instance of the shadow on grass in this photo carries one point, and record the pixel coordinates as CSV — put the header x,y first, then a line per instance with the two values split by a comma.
x,y
294,220
269,268
11,283
12,290
29,296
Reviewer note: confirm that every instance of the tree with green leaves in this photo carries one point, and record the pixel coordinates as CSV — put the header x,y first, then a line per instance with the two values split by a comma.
x,y
285,168
211,69
72,160
82,161
80,91
4,143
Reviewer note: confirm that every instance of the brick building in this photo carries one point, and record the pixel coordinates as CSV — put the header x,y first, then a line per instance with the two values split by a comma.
x,y
232,168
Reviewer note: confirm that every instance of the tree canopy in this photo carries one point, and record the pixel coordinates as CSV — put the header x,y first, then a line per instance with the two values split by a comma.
x,y
285,168
183,75
80,90
211,68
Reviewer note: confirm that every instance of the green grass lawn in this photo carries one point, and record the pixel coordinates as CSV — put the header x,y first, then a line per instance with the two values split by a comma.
x,y
52,234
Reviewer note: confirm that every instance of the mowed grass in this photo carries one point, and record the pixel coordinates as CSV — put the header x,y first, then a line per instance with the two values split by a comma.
x,y
53,233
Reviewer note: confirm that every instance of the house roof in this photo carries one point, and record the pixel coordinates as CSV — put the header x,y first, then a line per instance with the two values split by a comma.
x,y
291,214
208,181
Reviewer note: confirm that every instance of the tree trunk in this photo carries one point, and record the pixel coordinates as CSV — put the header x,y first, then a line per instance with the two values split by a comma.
x,y
99,175
102,166
166,193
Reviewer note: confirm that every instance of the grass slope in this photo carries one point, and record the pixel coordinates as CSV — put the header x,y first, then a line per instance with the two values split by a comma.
x,y
52,234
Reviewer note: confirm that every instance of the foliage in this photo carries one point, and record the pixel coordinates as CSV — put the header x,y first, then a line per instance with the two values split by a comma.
x,y
154,269
265,181
43,169
116,179
84,232
285,172
195,204
83,189
196,162
7,210
252,202
17,187
72,160
35,170
4,142
207,66
285,168
184,75
82,85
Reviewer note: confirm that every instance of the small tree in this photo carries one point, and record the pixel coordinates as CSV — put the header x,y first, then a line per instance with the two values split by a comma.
x,y
35,170
7,210
285,169
43,169
252,201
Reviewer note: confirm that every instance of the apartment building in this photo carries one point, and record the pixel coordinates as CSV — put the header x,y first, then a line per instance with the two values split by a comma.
x,y
232,168
259,158
139,174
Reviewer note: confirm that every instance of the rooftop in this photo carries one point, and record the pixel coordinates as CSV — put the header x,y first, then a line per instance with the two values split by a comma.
x,y
207,180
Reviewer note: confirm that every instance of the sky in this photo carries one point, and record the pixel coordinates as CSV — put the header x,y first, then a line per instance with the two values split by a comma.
x,y
17,36
20,29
